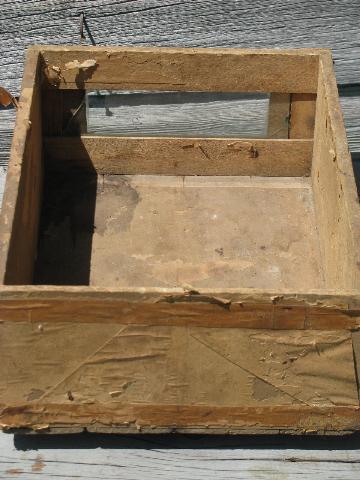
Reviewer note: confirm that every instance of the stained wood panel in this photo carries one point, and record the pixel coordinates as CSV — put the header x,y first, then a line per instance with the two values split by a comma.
x,y
209,231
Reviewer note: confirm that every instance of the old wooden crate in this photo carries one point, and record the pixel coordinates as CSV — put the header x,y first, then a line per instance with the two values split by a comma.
x,y
179,284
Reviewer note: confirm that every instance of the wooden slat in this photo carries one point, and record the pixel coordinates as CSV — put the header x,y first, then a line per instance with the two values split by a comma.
x,y
198,313
181,156
7,123
177,114
302,115
278,115
120,418
246,308
348,300
21,204
205,457
224,70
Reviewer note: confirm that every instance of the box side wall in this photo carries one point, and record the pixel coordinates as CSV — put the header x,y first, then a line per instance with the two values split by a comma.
x,y
188,69
335,195
163,346
188,356
22,197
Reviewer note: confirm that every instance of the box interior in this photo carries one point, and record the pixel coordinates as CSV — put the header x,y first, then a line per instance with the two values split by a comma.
x,y
199,231
171,231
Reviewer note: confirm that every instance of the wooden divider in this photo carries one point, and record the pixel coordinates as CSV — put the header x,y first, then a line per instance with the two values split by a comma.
x,y
181,156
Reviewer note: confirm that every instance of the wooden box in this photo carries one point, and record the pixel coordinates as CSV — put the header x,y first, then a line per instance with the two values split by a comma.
x,y
179,284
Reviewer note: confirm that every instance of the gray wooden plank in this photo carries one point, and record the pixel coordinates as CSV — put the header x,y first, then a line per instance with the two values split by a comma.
x,y
206,23
179,457
7,123
350,106
192,114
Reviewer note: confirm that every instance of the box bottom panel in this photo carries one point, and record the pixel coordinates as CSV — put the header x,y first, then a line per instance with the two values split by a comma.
x,y
165,231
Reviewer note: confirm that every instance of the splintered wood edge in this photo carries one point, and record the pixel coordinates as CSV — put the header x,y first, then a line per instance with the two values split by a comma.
x,y
181,69
227,309
347,299
136,418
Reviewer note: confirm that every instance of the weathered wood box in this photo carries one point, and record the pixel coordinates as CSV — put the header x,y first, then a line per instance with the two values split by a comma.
x,y
155,284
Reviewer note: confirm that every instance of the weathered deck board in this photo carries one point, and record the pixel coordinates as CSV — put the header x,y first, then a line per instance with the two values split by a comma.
x,y
350,105
186,114
178,457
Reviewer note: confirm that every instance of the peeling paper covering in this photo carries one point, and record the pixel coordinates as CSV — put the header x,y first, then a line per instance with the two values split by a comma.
x,y
74,364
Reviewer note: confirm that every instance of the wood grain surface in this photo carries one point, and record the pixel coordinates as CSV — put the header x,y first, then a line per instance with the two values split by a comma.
x,y
181,156
178,457
181,69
